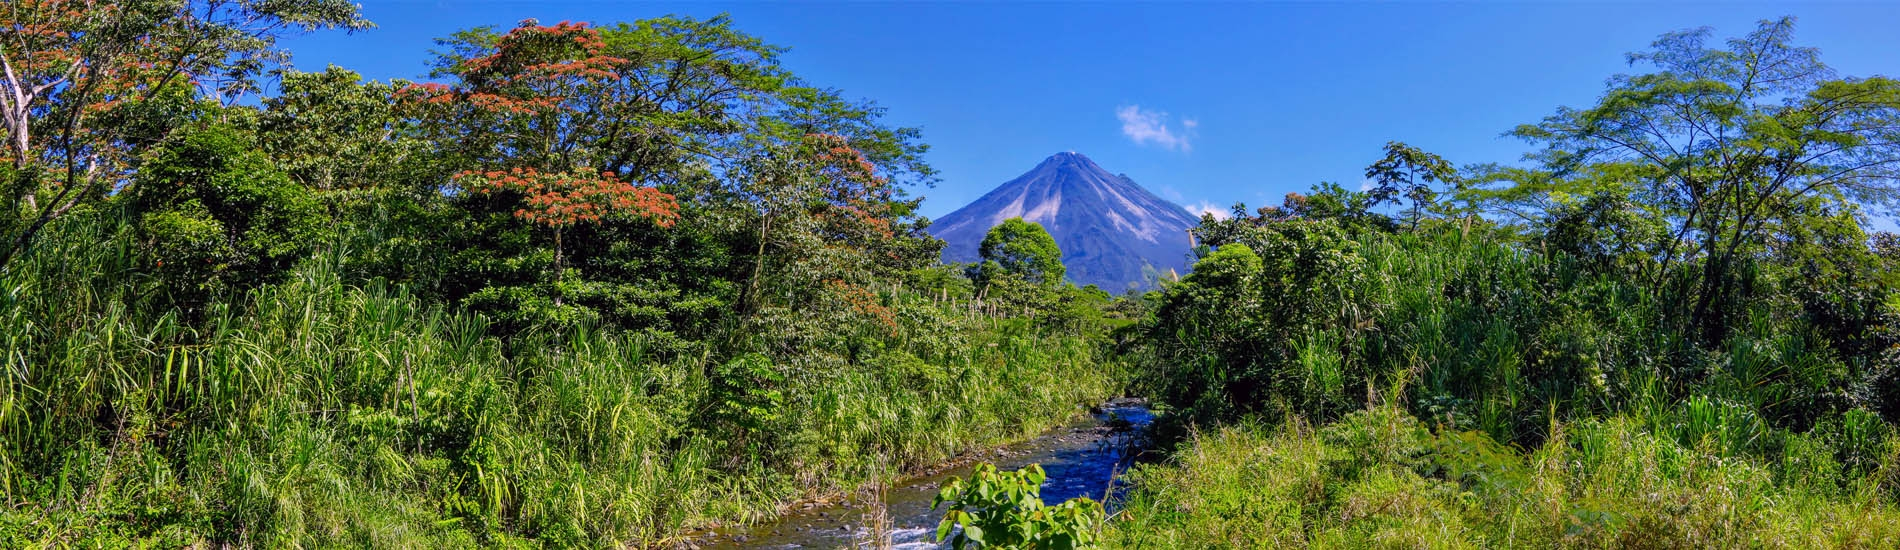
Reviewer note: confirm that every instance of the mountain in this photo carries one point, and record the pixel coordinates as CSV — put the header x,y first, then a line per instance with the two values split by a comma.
x,y
1109,228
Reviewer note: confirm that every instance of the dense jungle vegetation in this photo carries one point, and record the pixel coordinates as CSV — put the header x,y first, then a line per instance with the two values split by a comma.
x,y
599,285
1671,328
593,286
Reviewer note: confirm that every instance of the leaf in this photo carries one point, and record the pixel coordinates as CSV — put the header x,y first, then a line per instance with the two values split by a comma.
x,y
944,527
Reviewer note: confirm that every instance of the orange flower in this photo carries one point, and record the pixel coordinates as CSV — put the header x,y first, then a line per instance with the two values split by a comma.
x,y
563,199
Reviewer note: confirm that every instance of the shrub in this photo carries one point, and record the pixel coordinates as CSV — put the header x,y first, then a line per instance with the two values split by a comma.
x,y
1004,510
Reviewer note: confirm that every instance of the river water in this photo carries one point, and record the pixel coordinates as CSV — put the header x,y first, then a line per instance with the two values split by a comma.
x,y
1082,459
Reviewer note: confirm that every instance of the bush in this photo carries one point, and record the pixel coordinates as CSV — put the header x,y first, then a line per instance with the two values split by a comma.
x,y
1004,510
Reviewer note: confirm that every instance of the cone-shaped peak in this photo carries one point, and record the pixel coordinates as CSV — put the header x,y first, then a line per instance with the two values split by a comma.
x,y
1112,232
1068,158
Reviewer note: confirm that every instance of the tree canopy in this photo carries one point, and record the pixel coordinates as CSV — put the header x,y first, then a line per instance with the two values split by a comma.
x,y
1021,249
84,84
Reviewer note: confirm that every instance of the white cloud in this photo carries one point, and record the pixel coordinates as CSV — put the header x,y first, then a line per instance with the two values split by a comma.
x,y
1208,207
1145,127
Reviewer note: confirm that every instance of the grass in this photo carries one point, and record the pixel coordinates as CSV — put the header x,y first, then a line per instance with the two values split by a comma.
x,y
1380,478
1470,390
318,413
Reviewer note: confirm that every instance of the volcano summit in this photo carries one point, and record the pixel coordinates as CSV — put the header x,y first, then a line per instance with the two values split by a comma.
x,y
1114,234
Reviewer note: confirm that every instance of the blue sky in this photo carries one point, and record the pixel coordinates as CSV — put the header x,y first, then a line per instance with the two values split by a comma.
x,y
1204,104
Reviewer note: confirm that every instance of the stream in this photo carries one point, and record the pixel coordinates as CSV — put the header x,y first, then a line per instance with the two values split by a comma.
x,y
1082,458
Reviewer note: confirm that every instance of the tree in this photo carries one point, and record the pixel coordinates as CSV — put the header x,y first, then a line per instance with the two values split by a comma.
x,y
85,83
532,85
1327,201
536,89
1256,327
561,200
1725,145
215,213
1020,249
333,132
1525,196
824,214
1408,172
781,188
1604,231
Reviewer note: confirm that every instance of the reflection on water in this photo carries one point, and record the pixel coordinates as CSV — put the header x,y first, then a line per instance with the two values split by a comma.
x,y
1082,459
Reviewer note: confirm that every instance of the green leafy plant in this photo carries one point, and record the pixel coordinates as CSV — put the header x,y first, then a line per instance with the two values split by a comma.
x,y
216,213
1004,510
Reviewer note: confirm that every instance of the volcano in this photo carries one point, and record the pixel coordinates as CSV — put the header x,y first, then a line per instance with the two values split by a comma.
x,y
1113,233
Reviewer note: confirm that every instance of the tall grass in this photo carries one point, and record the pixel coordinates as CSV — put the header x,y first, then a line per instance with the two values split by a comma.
x,y
1379,478
1568,406
319,412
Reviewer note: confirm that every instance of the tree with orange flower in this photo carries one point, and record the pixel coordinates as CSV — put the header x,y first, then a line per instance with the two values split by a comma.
x,y
825,214
561,200
84,83
517,107
769,182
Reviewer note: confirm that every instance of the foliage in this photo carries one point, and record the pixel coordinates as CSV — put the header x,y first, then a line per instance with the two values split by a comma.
x,y
1408,172
1258,326
1727,148
561,200
87,84
1017,248
317,411
1378,478
333,132
216,214
1005,510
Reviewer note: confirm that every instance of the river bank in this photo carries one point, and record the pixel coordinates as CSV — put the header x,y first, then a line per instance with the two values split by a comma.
x,y
1083,458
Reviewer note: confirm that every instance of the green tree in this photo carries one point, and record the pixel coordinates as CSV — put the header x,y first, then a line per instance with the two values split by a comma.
x,y
359,148
1408,172
1020,249
1726,146
215,213
1352,210
1257,326
333,132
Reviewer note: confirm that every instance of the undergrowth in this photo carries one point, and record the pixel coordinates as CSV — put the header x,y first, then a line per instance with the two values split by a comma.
x,y
1381,478
314,412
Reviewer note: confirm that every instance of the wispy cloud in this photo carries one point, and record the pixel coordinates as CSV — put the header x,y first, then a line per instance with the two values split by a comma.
x,y
1208,207
1154,127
